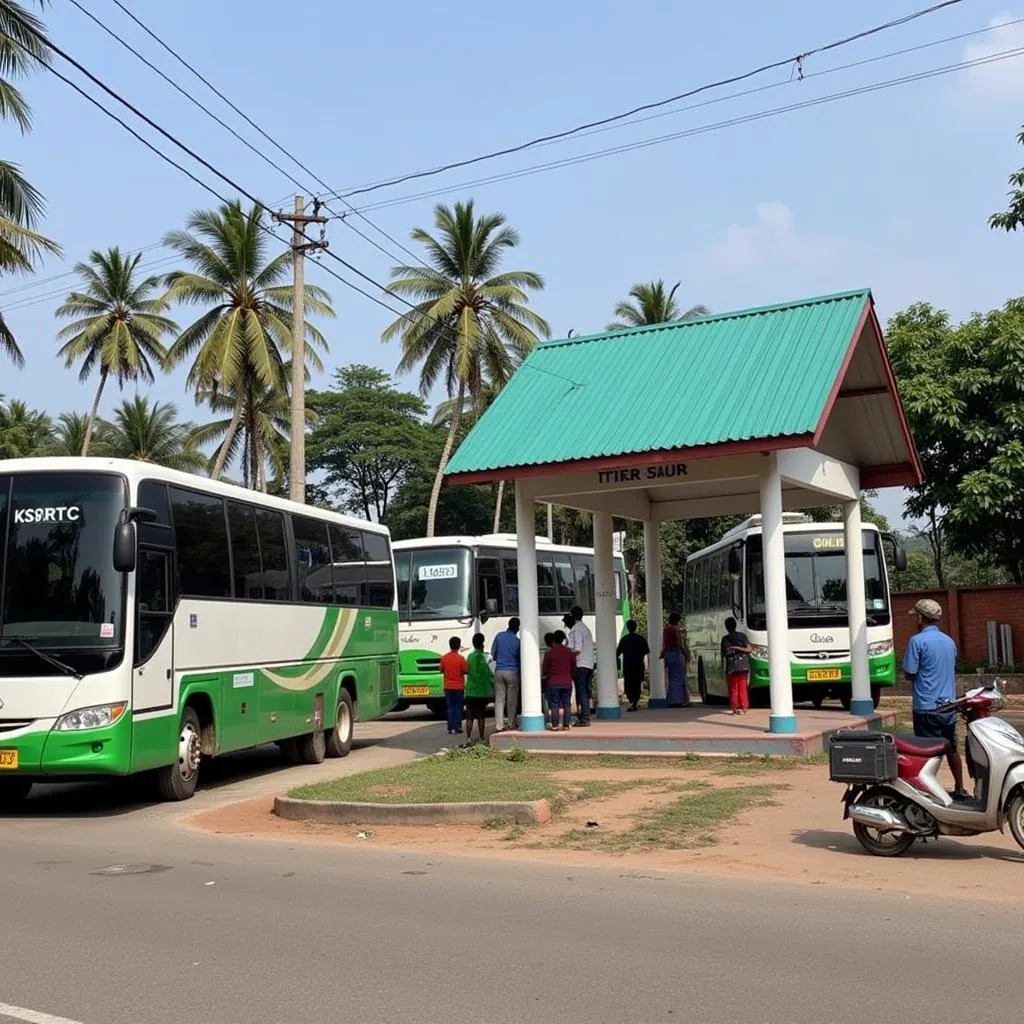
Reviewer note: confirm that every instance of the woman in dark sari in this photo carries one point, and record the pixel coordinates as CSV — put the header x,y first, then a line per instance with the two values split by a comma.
x,y
673,653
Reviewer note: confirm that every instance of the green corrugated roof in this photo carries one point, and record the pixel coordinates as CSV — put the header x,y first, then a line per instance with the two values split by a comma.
x,y
756,373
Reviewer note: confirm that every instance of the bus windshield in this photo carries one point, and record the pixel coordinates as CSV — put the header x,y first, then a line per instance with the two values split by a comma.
x,y
433,583
58,585
816,580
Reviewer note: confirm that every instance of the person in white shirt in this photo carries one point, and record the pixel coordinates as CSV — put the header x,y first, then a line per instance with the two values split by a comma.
x,y
581,643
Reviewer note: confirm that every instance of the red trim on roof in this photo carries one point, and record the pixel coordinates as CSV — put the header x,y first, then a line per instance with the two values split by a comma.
x,y
891,380
870,319
903,474
755,446
851,348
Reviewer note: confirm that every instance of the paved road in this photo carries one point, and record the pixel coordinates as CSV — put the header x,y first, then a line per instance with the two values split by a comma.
x,y
115,915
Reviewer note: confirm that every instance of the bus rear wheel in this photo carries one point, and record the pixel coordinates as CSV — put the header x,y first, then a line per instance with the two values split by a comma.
x,y
178,781
13,793
339,740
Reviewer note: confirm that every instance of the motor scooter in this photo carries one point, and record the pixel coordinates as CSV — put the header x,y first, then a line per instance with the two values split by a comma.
x,y
893,793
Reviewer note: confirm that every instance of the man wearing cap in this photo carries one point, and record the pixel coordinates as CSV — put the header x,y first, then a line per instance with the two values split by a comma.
x,y
930,665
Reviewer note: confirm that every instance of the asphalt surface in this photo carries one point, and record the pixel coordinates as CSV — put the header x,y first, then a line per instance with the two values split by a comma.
x,y
115,914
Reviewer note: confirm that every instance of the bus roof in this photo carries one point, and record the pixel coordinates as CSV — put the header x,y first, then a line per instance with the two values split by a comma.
x,y
135,471
505,541
792,522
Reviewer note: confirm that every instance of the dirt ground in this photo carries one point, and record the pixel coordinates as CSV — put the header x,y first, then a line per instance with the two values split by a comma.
x,y
800,838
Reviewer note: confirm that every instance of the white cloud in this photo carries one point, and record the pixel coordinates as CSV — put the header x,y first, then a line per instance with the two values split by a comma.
x,y
771,239
1001,79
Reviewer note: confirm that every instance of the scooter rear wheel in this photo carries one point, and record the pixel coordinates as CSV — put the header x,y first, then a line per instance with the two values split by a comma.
x,y
882,844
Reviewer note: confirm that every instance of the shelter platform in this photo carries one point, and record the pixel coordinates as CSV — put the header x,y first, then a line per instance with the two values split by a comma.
x,y
697,730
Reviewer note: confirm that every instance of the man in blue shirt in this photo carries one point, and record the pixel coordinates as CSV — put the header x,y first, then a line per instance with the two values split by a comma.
x,y
505,652
930,665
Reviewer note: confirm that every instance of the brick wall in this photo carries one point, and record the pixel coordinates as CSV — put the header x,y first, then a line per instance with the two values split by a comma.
x,y
965,613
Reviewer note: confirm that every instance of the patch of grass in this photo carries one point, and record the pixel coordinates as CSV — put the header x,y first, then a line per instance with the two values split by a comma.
x,y
753,764
514,833
689,822
455,776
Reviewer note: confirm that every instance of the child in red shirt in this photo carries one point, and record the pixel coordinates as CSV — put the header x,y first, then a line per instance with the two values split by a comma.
x,y
559,669
454,668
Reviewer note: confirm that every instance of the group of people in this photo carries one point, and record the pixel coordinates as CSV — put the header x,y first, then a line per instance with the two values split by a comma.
x,y
471,683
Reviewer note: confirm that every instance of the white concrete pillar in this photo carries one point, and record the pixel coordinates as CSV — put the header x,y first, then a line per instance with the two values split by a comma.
x,y
531,718
861,704
782,718
605,637
655,612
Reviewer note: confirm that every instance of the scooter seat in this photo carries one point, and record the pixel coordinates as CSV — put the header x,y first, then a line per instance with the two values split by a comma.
x,y
920,746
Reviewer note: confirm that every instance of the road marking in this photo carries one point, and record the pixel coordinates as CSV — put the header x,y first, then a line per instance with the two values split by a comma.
x,y
32,1016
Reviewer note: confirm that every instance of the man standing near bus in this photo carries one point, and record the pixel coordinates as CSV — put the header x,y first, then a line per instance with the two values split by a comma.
x,y
930,666
505,654
581,643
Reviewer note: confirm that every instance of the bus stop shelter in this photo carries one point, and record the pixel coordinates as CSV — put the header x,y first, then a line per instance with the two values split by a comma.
x,y
762,410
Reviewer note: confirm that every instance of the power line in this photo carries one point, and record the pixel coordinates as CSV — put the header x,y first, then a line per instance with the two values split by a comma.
x,y
691,132
217,92
795,61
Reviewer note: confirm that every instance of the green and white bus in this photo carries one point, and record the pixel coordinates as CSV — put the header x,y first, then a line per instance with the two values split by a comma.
x,y
458,586
727,578
150,618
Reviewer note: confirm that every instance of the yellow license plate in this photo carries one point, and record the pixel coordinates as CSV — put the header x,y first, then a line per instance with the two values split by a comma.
x,y
821,675
415,691
8,759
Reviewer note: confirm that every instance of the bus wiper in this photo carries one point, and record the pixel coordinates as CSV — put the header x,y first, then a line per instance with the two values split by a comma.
x,y
61,666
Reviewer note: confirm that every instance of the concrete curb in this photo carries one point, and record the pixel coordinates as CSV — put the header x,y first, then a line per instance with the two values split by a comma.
x,y
534,812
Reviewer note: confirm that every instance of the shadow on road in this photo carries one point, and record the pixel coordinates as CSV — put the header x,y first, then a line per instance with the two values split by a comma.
x,y
946,848
121,796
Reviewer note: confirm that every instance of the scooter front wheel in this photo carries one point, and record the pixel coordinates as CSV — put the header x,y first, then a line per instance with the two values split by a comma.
x,y
875,841
1015,817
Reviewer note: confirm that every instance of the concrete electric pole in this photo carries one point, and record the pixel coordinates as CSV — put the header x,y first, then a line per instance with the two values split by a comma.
x,y
301,244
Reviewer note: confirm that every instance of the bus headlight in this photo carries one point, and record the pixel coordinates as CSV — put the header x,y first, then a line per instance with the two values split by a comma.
x,y
760,653
98,717
877,650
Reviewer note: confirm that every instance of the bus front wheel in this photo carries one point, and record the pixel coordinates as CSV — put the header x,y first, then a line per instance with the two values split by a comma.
x,y
339,740
312,748
178,781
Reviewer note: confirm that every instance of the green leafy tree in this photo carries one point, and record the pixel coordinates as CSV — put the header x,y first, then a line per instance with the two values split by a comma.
x,y
263,438
1012,217
471,323
117,325
23,46
151,432
368,438
23,431
651,303
69,433
241,342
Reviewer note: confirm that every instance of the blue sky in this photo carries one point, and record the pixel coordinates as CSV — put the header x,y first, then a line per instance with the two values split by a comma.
x,y
889,189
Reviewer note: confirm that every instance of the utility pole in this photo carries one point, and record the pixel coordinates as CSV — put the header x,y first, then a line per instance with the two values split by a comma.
x,y
301,244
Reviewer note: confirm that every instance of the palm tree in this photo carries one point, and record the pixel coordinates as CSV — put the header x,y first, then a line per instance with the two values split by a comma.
x,y
151,433
117,324
264,437
470,324
22,46
241,341
23,431
69,433
651,304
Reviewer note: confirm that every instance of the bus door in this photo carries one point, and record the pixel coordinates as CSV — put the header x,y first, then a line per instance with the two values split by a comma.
x,y
155,600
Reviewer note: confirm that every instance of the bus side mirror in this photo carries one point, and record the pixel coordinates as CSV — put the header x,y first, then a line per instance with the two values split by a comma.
x,y
483,618
900,558
735,562
124,547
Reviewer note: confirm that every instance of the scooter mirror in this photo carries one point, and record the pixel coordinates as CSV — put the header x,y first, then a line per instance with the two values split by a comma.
x,y
975,692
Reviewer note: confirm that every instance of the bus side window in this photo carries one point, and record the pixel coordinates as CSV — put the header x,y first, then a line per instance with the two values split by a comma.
x,y
547,603
583,567
566,580
380,577
488,586
510,572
